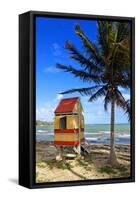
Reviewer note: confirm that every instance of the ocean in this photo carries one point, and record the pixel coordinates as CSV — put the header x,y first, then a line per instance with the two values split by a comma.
x,y
94,133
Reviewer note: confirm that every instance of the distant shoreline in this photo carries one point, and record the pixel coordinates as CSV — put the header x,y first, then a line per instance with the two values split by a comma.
x,y
43,123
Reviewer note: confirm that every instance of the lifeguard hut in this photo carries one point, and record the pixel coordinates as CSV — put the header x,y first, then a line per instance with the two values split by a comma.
x,y
69,124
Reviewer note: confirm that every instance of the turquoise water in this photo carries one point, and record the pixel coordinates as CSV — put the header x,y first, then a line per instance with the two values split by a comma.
x,y
94,133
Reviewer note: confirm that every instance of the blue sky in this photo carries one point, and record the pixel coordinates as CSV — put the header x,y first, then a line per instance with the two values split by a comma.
x,y
51,34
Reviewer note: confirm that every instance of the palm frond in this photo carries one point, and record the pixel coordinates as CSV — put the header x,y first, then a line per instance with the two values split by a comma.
x,y
90,47
83,91
122,79
107,100
121,102
128,109
83,75
121,60
81,59
119,99
105,36
101,92
123,31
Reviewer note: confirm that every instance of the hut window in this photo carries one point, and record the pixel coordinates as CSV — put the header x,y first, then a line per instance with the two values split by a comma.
x,y
62,123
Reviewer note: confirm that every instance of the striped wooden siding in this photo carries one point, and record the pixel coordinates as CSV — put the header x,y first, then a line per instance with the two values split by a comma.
x,y
67,143
67,136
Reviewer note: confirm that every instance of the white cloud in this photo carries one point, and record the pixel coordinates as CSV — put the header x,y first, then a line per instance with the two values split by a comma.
x,y
42,110
46,112
99,112
56,49
51,69
125,92
59,96
126,96
121,89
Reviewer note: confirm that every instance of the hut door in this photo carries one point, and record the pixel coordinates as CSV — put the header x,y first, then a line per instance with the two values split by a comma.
x,y
62,123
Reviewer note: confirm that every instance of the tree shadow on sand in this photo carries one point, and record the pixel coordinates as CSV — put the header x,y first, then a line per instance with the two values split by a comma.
x,y
77,174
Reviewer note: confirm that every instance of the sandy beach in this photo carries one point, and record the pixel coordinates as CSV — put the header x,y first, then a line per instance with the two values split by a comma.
x,y
92,166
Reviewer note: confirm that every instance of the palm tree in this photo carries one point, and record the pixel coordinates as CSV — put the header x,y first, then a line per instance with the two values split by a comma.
x,y
105,65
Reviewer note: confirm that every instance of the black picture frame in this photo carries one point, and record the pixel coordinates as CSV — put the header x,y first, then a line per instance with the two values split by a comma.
x,y
27,99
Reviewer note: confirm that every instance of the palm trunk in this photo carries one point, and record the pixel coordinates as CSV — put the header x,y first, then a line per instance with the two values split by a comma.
x,y
112,158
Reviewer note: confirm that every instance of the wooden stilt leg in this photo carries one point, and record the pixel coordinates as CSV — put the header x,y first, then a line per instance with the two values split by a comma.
x,y
77,149
60,156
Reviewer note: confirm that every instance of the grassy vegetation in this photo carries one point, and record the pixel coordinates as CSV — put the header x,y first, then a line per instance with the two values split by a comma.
x,y
106,169
121,171
124,171
54,164
82,163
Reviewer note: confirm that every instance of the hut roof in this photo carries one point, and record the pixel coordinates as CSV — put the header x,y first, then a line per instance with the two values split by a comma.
x,y
66,105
